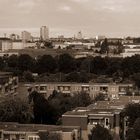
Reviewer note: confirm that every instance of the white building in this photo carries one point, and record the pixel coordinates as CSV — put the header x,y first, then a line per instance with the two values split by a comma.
x,y
5,44
132,45
100,37
44,33
131,50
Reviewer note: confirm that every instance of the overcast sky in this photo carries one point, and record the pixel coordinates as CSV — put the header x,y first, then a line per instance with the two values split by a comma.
x,y
92,17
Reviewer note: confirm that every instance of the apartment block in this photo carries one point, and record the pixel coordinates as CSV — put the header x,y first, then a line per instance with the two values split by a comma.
x,y
15,131
113,90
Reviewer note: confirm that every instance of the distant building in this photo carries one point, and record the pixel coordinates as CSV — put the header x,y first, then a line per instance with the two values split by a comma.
x,y
5,44
44,33
128,40
14,37
26,36
19,45
131,50
114,40
79,35
61,37
15,131
100,37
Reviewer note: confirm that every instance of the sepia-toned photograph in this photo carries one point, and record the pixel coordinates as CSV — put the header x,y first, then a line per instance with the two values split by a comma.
x,y
69,69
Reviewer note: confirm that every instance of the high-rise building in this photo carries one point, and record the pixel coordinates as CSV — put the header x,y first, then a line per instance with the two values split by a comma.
x,y
26,36
44,33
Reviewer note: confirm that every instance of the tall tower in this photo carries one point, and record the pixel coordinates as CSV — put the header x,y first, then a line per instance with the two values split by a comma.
x,y
44,33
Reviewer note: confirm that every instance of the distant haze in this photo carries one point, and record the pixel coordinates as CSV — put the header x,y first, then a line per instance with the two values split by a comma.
x,y
66,17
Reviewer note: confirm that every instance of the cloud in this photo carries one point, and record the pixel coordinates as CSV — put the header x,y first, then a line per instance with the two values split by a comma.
x,y
80,1
26,6
65,8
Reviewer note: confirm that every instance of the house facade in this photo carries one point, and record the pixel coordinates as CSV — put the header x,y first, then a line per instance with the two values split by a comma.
x,y
5,44
15,131
110,89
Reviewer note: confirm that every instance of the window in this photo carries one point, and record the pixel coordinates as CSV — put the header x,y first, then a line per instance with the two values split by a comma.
x,y
33,138
42,88
113,89
106,121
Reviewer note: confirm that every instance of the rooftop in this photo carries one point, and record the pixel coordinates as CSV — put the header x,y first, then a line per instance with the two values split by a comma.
x,y
10,126
83,84
105,107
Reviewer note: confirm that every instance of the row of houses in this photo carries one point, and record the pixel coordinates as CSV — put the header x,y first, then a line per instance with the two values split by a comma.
x,y
129,48
76,124
15,131
113,90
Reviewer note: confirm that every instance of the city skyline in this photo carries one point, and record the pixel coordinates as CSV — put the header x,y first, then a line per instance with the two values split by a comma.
x,y
110,18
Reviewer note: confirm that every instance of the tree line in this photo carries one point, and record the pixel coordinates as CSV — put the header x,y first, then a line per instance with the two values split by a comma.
x,y
75,70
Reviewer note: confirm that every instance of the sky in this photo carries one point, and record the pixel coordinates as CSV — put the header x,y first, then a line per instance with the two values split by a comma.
x,y
114,18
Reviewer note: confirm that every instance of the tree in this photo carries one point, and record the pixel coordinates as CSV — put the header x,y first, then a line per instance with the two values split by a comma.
x,y
43,112
130,134
100,97
61,102
132,111
15,110
104,46
25,63
28,77
12,61
136,78
46,63
99,65
1,63
48,44
86,65
136,127
131,65
66,63
65,102
81,99
100,133
72,77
